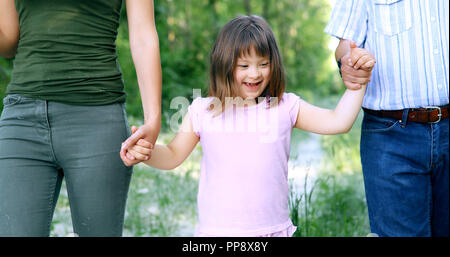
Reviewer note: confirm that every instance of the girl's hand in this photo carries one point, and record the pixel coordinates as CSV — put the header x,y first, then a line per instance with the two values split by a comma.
x,y
141,151
148,132
361,58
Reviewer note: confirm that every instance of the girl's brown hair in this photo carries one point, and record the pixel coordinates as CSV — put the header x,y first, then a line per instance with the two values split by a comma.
x,y
237,38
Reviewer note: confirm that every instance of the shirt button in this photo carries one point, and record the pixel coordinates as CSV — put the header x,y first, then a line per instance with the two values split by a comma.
x,y
436,51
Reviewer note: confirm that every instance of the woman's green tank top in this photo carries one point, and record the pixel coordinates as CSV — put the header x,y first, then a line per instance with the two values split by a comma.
x,y
67,52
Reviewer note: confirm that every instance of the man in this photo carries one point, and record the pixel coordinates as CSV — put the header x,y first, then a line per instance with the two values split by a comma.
x,y
405,130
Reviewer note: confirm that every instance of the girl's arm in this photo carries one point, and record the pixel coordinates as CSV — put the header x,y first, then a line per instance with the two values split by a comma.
x,y
9,28
144,46
168,157
324,121
340,120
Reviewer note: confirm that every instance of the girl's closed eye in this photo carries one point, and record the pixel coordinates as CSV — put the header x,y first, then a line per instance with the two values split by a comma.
x,y
242,65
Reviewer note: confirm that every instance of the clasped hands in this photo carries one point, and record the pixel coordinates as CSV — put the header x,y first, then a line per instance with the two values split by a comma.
x,y
142,139
356,67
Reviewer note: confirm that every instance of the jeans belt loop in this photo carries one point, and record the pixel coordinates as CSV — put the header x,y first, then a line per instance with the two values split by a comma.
x,y
404,118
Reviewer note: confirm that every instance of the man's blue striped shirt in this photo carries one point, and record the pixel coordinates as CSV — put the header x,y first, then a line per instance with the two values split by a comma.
x,y
409,39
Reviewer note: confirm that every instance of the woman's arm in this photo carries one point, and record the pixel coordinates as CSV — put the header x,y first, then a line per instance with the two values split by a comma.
x,y
144,46
9,28
324,121
168,157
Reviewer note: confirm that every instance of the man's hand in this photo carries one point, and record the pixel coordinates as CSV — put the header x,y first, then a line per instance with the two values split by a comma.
x,y
147,132
353,78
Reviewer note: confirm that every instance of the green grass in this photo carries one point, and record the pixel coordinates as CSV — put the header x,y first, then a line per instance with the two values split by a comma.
x,y
335,206
161,203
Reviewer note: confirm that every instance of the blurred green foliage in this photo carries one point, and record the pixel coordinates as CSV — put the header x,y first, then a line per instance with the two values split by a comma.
x,y
5,74
187,30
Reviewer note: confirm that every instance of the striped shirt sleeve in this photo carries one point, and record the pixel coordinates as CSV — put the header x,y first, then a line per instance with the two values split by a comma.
x,y
349,21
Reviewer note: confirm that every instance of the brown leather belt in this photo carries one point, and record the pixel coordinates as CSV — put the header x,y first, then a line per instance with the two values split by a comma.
x,y
432,114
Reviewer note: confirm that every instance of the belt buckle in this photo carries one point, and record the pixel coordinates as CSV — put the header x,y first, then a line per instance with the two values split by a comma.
x,y
439,114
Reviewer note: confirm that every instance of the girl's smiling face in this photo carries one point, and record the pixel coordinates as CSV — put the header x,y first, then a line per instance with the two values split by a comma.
x,y
251,74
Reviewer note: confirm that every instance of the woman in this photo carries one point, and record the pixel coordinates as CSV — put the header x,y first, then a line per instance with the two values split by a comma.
x,y
64,113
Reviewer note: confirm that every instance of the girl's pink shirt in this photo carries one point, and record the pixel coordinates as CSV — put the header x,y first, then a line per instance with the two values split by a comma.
x,y
243,189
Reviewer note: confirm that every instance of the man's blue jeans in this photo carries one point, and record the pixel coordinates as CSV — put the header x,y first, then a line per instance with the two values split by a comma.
x,y
405,167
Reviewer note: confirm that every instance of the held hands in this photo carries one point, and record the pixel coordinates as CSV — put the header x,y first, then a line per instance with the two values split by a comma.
x,y
137,147
356,68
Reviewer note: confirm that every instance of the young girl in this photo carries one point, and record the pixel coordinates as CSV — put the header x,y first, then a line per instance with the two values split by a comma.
x,y
243,187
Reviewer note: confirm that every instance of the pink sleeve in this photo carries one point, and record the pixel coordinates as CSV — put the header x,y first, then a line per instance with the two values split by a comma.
x,y
293,103
195,111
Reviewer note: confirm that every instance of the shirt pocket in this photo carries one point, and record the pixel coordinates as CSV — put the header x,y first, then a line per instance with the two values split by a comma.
x,y
392,17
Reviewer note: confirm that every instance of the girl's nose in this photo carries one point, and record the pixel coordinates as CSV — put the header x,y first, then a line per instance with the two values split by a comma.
x,y
254,72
